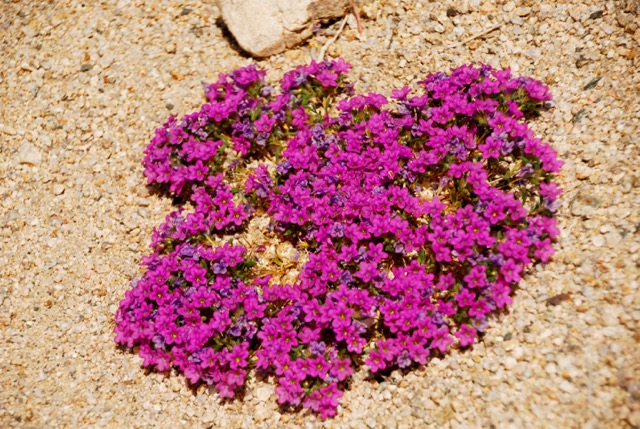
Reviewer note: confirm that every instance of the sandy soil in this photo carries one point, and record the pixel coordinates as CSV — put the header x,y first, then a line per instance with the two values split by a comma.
x,y
84,84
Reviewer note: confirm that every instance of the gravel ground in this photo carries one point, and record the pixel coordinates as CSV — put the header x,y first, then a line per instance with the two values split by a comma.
x,y
83,86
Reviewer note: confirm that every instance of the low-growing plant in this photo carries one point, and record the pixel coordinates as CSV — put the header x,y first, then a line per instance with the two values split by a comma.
x,y
419,215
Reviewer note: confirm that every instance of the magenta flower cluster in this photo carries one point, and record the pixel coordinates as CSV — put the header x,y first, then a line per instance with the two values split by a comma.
x,y
419,214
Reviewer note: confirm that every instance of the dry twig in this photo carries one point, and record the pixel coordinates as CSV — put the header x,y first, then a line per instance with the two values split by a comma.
x,y
475,36
356,13
324,48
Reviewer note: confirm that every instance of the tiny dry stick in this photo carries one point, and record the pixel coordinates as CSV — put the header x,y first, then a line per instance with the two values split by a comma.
x,y
356,13
475,36
392,23
324,48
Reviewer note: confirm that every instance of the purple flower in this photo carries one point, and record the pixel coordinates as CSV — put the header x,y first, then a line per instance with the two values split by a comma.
x,y
550,190
376,361
220,267
417,219
337,230
466,335
341,369
404,359
476,277
367,271
317,348
511,271
442,340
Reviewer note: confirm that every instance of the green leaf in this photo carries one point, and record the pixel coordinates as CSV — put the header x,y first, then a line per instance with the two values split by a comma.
x,y
249,263
509,175
422,257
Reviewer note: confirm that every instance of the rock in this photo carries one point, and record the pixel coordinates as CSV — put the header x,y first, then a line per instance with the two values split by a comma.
x,y
532,53
262,412
6,129
624,19
509,363
263,393
170,48
582,171
613,239
28,154
58,189
585,203
45,140
597,240
267,27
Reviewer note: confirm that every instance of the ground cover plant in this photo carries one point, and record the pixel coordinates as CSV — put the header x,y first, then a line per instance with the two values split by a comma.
x,y
416,217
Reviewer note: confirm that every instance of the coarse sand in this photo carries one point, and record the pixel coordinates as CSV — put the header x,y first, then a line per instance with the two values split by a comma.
x,y
83,85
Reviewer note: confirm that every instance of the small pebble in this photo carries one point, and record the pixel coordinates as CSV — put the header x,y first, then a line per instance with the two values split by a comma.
x,y
597,240
58,189
28,154
7,129
170,48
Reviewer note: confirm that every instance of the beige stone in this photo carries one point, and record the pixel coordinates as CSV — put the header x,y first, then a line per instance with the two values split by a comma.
x,y
267,27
